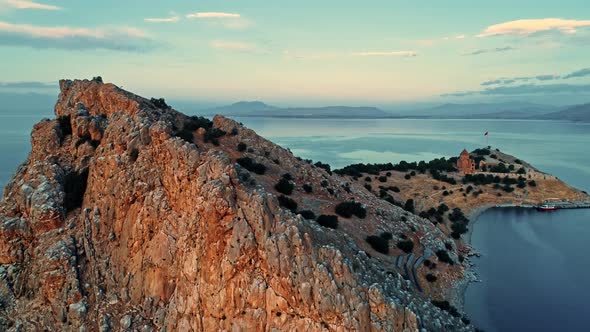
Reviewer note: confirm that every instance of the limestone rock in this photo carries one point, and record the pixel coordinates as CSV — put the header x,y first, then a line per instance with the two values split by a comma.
x,y
115,220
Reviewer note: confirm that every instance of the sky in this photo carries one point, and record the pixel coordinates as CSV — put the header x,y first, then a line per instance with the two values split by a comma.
x,y
303,52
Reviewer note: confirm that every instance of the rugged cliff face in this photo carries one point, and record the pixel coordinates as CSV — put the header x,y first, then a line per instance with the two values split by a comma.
x,y
128,215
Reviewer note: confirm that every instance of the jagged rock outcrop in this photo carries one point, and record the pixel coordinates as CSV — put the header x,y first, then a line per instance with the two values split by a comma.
x,y
116,223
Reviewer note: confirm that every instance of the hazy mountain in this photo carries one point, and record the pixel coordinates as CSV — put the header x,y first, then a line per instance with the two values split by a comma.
x,y
573,113
505,110
260,109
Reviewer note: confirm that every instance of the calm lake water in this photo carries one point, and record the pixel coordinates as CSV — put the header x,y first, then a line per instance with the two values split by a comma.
x,y
534,264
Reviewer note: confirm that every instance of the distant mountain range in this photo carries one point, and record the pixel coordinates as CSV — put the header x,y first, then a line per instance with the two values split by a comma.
x,y
260,109
505,110
32,103
579,113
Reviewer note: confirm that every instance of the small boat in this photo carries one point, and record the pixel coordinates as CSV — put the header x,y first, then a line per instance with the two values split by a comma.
x,y
547,207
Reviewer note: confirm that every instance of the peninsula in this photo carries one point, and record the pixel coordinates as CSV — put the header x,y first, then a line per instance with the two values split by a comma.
x,y
129,215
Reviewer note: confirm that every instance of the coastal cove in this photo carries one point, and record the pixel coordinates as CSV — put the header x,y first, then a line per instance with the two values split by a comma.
x,y
532,272
554,147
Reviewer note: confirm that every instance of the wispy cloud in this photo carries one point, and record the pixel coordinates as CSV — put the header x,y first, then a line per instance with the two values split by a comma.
x,y
490,50
387,54
528,27
116,39
24,4
460,37
213,15
527,89
172,19
232,45
585,72
578,73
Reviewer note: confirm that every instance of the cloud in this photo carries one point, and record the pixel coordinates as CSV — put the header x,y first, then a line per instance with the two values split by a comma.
x,y
387,54
579,73
528,27
232,45
172,19
460,37
24,4
213,15
70,38
547,77
527,89
28,85
490,50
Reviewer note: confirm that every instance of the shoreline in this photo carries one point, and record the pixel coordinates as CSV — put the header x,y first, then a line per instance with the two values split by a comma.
x,y
458,292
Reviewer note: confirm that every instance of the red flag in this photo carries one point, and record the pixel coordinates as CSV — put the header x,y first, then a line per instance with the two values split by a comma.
x,y
486,134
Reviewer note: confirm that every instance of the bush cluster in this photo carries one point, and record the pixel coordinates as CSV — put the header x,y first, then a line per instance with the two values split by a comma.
x,y
348,209
329,221
444,257
242,147
287,203
307,214
406,246
284,186
251,165
378,243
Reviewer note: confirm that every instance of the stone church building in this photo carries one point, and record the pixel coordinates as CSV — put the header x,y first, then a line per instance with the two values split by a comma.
x,y
465,164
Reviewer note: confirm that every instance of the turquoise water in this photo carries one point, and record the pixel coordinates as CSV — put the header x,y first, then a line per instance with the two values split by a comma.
x,y
534,265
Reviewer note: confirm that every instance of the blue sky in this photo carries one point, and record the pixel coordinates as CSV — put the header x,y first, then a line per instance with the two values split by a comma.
x,y
303,52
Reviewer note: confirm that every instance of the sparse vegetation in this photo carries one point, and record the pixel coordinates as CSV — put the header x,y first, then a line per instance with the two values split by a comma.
x,y
251,165
287,203
284,186
159,103
378,243
348,209
326,167
409,206
444,257
406,246
446,306
307,214
431,277
308,188
242,147
329,221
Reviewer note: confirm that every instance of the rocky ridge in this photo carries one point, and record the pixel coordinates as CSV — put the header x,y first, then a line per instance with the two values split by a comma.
x,y
114,222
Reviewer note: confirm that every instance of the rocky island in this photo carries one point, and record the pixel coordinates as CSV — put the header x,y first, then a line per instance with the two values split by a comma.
x,y
129,215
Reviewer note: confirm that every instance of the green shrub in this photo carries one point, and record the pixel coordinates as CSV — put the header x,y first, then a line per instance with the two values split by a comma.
x,y
307,214
287,203
431,277
407,176
212,135
159,103
323,166
251,165
386,235
406,246
284,186
378,243
329,221
348,209
444,257
368,187
308,188
532,183
382,179
242,147
446,306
